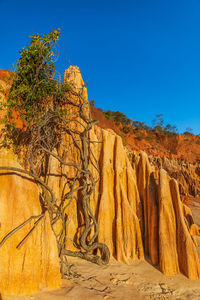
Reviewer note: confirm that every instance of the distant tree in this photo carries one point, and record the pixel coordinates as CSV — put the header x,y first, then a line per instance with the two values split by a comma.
x,y
92,102
174,129
168,127
158,122
189,130
140,125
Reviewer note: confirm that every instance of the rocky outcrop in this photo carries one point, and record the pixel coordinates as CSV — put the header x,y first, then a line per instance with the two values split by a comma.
x,y
138,209
186,174
168,256
137,206
147,187
168,236
157,143
24,268
186,247
152,199
115,201
119,203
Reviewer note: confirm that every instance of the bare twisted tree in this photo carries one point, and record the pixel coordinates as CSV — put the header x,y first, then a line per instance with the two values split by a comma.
x,y
51,117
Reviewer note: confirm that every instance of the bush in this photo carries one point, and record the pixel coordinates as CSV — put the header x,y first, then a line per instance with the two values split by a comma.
x,y
34,80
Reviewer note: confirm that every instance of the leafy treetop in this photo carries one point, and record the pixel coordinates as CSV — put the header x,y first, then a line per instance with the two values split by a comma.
x,y
33,81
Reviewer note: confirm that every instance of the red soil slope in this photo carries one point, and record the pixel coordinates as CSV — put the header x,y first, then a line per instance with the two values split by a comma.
x,y
185,147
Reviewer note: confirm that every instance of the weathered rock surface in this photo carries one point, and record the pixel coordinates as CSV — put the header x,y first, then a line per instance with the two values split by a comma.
x,y
168,256
115,201
147,187
186,245
137,206
35,265
168,228
138,209
119,202
187,175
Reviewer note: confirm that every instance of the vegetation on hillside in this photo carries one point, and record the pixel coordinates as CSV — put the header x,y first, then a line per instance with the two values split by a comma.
x,y
130,124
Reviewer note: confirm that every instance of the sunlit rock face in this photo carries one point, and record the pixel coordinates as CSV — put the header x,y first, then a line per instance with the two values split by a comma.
x,y
168,237
35,265
115,201
185,237
138,208
118,204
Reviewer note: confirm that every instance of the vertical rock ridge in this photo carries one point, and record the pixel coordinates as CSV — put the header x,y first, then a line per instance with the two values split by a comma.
x,y
168,257
168,227
35,264
186,247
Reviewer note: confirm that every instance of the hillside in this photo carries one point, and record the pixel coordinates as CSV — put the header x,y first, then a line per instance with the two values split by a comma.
x,y
179,155
184,147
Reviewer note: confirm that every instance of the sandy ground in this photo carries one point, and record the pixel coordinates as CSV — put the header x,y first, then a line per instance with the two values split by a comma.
x,y
138,280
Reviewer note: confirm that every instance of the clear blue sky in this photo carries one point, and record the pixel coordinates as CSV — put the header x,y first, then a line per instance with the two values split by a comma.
x,y
141,57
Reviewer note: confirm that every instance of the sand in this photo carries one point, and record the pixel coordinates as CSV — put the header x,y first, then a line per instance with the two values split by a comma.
x,y
139,280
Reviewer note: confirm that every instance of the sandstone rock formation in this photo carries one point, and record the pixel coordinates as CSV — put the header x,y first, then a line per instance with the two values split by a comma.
x,y
115,201
168,255
168,236
187,175
35,264
137,206
186,247
119,203
139,203
147,187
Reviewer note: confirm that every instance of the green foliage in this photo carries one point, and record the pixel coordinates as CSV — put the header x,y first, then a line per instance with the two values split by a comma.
x,y
4,143
92,102
149,138
126,129
125,143
140,125
171,130
158,124
188,131
140,137
117,116
34,82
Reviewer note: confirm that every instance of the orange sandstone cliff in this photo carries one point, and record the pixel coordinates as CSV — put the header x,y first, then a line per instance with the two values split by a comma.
x,y
136,202
138,206
25,269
